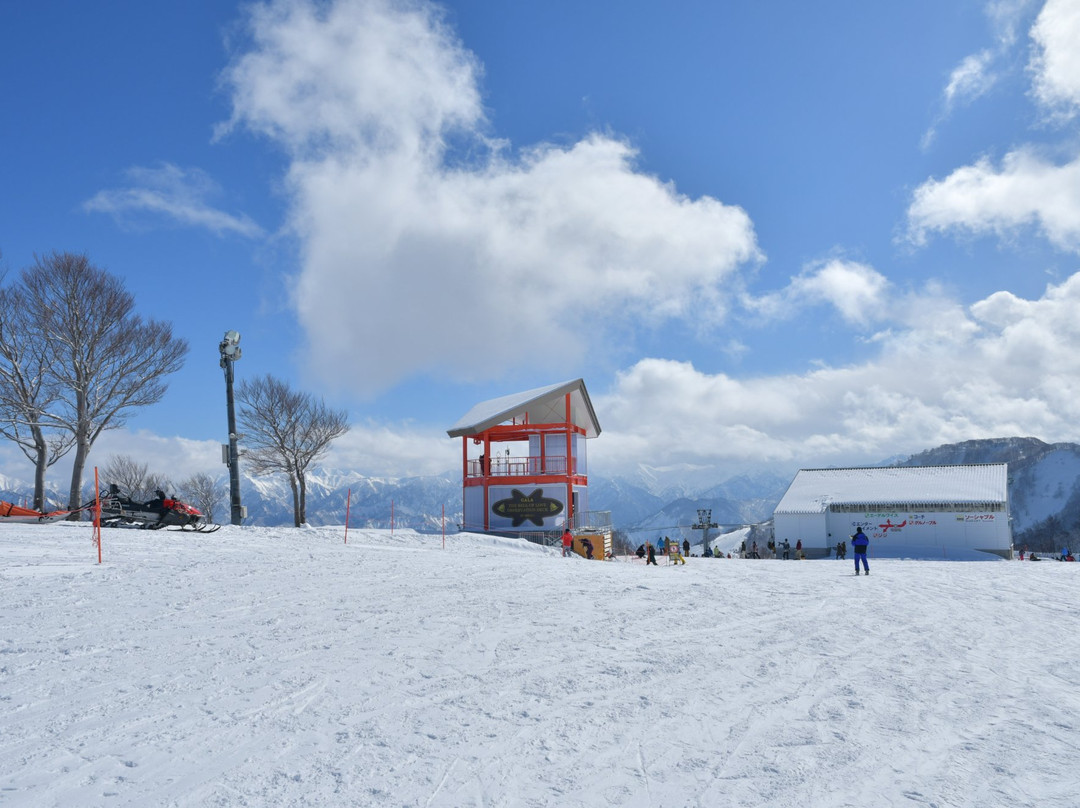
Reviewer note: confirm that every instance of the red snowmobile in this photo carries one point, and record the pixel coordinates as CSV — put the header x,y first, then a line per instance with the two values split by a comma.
x,y
159,512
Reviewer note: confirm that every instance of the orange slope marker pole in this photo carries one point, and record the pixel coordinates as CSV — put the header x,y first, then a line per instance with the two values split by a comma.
x,y
97,514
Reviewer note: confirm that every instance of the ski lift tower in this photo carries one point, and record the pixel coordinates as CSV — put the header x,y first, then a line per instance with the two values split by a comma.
x,y
704,518
527,470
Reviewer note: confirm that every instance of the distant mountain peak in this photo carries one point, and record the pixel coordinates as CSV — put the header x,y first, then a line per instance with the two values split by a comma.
x,y
982,450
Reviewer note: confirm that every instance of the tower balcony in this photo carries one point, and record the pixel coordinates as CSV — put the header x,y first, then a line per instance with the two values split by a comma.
x,y
498,467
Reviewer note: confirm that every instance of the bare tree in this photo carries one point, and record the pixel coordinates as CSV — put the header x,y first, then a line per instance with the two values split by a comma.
x,y
125,473
204,492
285,432
109,360
27,390
133,478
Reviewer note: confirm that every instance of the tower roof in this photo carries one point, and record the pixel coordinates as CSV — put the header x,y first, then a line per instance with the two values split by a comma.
x,y
544,405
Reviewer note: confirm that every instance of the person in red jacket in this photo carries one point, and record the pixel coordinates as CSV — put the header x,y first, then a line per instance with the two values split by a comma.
x,y
567,542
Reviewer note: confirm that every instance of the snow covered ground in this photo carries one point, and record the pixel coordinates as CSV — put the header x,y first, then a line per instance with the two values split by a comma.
x,y
282,667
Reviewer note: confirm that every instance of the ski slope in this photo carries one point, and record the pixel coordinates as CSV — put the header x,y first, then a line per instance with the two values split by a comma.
x,y
284,667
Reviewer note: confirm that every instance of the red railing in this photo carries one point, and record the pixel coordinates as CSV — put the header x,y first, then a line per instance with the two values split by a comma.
x,y
521,466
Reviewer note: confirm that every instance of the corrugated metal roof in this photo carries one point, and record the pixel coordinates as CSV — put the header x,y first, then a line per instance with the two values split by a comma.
x,y
544,405
814,490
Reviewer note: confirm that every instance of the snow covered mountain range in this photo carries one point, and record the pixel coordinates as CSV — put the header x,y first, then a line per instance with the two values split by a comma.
x,y
1044,487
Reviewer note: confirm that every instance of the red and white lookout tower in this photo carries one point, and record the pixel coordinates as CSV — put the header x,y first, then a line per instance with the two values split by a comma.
x,y
523,460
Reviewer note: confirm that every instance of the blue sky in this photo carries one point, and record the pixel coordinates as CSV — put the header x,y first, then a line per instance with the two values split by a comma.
x,y
767,234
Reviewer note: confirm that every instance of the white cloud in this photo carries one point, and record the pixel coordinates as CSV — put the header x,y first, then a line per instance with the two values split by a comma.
x,y
1007,18
1056,60
426,248
978,72
970,79
856,290
367,79
385,450
174,193
1026,190
1005,366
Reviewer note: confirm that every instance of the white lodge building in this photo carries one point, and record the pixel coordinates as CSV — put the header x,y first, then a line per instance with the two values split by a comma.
x,y
947,512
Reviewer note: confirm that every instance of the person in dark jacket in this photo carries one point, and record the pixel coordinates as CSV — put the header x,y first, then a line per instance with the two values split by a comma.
x,y
685,547
651,552
859,543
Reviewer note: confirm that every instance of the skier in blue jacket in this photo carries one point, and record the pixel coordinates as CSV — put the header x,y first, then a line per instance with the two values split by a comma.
x,y
859,543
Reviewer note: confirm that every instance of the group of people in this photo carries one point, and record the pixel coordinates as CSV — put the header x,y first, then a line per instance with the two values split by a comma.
x,y
781,550
568,544
648,552
671,549
1066,554
785,549
859,544
667,547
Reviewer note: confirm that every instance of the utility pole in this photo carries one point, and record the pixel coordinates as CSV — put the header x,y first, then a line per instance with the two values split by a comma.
x,y
704,517
230,352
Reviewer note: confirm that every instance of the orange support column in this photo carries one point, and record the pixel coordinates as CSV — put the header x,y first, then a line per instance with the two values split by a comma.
x,y
571,516
485,469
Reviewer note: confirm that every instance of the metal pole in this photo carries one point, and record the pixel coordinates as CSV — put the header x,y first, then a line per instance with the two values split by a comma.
x,y
229,353
234,453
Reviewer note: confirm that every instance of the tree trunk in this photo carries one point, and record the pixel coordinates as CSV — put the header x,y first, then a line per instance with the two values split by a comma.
x,y
296,500
303,500
82,449
41,463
